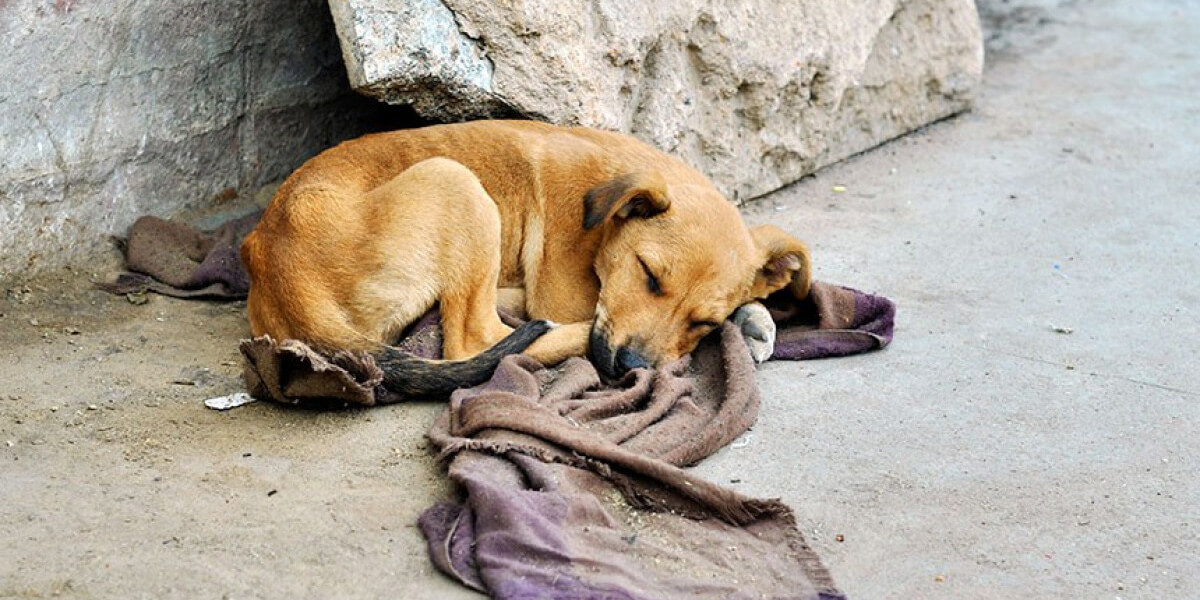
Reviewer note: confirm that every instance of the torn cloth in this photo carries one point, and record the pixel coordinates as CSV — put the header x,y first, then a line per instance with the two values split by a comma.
x,y
832,321
174,259
573,489
577,492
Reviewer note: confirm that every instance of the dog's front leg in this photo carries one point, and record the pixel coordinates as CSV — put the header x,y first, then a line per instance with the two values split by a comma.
x,y
758,328
561,343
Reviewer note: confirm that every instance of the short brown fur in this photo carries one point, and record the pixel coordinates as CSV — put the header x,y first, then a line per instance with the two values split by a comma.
x,y
634,251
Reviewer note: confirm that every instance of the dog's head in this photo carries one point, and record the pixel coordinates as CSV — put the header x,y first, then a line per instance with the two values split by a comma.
x,y
675,261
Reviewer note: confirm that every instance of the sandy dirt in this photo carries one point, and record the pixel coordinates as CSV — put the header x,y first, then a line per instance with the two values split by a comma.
x,y
118,482
1031,432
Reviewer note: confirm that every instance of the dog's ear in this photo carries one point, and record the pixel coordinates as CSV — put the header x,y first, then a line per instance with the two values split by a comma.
x,y
641,195
786,263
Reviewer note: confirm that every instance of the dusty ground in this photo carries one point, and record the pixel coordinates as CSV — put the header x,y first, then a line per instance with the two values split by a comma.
x,y
1033,430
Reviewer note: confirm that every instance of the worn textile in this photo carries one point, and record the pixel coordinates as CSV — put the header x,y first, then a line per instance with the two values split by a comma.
x,y
573,488
833,321
174,259
290,372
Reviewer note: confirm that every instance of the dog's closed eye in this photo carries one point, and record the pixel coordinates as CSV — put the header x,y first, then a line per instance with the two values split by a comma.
x,y
652,283
703,325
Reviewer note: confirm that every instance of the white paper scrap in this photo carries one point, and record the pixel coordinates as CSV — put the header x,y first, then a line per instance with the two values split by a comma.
x,y
230,401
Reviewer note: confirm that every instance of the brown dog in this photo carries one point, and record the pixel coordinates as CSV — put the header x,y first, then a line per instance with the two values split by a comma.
x,y
634,251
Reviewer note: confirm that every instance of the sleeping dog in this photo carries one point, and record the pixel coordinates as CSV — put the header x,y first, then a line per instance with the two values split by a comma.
x,y
636,254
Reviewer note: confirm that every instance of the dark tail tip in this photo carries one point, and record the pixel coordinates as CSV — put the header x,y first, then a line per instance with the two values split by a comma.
x,y
413,376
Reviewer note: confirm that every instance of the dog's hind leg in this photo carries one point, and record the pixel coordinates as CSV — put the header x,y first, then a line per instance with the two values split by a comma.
x,y
468,298
442,233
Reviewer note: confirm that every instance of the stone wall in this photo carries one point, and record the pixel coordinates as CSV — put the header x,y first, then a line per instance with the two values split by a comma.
x,y
755,93
114,108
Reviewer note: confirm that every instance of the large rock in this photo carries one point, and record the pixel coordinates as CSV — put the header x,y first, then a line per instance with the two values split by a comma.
x,y
756,93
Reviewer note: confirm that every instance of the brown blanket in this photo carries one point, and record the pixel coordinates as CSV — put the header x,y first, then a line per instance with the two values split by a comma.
x,y
174,259
832,321
570,488
573,489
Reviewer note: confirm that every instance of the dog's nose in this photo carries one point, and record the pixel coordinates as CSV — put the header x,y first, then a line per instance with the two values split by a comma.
x,y
629,359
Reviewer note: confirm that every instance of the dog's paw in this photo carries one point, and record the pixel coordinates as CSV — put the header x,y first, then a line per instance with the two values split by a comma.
x,y
758,328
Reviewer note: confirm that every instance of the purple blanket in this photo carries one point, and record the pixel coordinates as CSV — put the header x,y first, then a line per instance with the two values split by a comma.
x,y
574,490
173,259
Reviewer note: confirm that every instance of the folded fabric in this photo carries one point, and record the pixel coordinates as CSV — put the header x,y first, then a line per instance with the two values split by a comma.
x,y
290,372
832,321
573,488
174,259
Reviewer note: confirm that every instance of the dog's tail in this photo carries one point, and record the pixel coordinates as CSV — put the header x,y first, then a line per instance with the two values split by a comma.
x,y
414,376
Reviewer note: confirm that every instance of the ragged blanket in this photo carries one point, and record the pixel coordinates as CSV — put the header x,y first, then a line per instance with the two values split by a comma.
x,y
571,488
174,259
574,489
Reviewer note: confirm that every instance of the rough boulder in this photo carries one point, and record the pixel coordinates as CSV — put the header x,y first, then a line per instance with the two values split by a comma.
x,y
755,93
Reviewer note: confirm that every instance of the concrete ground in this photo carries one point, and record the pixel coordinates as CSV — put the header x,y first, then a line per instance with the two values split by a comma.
x,y
1031,432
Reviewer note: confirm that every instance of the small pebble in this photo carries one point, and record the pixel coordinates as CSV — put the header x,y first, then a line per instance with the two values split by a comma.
x,y
34,322
940,578
93,407
840,538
